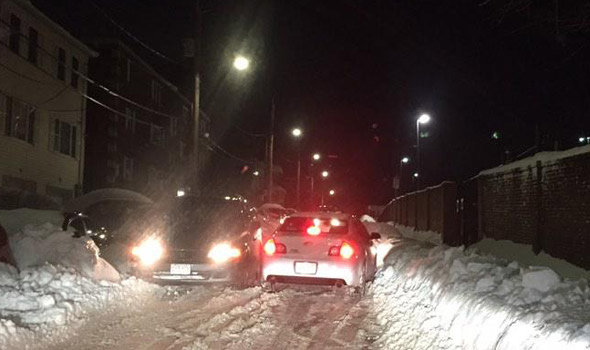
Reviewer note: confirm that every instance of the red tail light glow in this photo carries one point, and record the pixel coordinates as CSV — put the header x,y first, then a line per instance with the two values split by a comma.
x,y
313,230
271,248
345,251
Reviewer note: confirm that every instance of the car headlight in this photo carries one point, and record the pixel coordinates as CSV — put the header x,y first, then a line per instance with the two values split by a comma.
x,y
149,251
223,252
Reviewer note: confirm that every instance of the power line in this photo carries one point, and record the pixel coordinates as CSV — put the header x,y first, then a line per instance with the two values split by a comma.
x,y
83,76
238,128
227,153
126,32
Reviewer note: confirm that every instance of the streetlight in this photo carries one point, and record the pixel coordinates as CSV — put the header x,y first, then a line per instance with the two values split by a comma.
x,y
316,156
416,175
325,174
332,192
180,193
423,119
241,63
256,173
297,133
404,160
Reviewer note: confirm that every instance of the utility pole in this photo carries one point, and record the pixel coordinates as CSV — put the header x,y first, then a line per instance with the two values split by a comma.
x,y
271,149
197,91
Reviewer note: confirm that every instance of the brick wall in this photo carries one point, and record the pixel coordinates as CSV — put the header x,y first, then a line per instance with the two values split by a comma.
x,y
544,202
432,209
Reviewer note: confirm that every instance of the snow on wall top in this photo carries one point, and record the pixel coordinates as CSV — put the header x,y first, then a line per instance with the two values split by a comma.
x,y
544,157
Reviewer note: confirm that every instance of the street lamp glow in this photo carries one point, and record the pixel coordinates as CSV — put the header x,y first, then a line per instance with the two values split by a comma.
x,y
316,156
405,160
325,174
180,193
296,132
424,118
256,173
241,63
416,175
582,139
332,192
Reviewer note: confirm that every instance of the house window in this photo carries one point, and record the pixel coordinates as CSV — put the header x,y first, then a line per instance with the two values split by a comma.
x,y
20,120
130,119
64,138
61,64
14,39
75,67
33,52
156,134
156,92
127,168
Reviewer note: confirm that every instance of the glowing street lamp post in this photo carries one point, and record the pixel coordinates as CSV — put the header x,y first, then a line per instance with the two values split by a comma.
x,y
424,119
297,133
315,158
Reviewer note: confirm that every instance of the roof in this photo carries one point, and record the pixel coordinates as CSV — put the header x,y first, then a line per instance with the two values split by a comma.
x,y
27,5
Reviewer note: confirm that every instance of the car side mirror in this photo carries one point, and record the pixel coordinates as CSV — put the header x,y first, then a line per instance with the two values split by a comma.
x,y
375,235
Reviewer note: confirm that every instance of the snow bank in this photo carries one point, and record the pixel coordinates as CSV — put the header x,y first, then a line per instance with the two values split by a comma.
x,y
445,298
37,245
15,220
424,236
36,300
544,157
523,254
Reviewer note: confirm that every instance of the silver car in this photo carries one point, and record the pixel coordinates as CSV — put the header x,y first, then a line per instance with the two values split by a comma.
x,y
320,248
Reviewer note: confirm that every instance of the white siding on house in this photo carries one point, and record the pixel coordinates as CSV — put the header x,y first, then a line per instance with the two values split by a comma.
x,y
36,84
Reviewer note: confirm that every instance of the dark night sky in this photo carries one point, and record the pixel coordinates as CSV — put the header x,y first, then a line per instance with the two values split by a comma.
x,y
351,71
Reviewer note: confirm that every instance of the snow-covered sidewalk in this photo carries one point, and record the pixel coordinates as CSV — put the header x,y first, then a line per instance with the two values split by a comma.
x,y
436,297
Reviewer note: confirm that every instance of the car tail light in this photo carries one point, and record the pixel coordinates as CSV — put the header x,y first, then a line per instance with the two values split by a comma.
x,y
271,247
345,251
313,230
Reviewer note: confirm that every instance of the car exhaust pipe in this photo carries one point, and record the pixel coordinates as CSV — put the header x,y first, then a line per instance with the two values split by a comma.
x,y
339,284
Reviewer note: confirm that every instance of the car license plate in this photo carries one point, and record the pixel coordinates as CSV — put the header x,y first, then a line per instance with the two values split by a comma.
x,y
180,269
306,268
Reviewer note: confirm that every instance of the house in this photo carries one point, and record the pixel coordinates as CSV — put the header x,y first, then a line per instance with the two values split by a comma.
x,y
42,104
140,139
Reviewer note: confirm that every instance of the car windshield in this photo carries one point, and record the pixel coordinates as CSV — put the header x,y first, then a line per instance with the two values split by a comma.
x,y
195,221
323,225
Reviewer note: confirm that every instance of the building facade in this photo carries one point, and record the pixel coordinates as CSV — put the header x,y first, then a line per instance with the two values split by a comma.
x,y
42,104
140,138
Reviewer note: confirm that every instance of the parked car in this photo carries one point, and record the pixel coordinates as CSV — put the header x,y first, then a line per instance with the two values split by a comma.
x,y
320,248
207,240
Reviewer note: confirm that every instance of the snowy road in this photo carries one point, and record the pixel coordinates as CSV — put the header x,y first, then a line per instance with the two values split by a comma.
x,y
217,318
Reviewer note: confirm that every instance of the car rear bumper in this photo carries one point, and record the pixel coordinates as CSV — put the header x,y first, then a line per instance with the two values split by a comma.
x,y
199,273
328,271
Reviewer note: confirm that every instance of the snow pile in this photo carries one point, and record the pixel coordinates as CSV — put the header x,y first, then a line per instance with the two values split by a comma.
x,y
15,220
544,157
386,230
37,245
446,298
424,236
35,300
523,254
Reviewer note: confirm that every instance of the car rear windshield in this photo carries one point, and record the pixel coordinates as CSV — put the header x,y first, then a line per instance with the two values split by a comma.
x,y
300,225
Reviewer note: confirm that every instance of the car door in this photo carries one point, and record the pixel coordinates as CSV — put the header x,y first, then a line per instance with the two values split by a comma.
x,y
369,246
